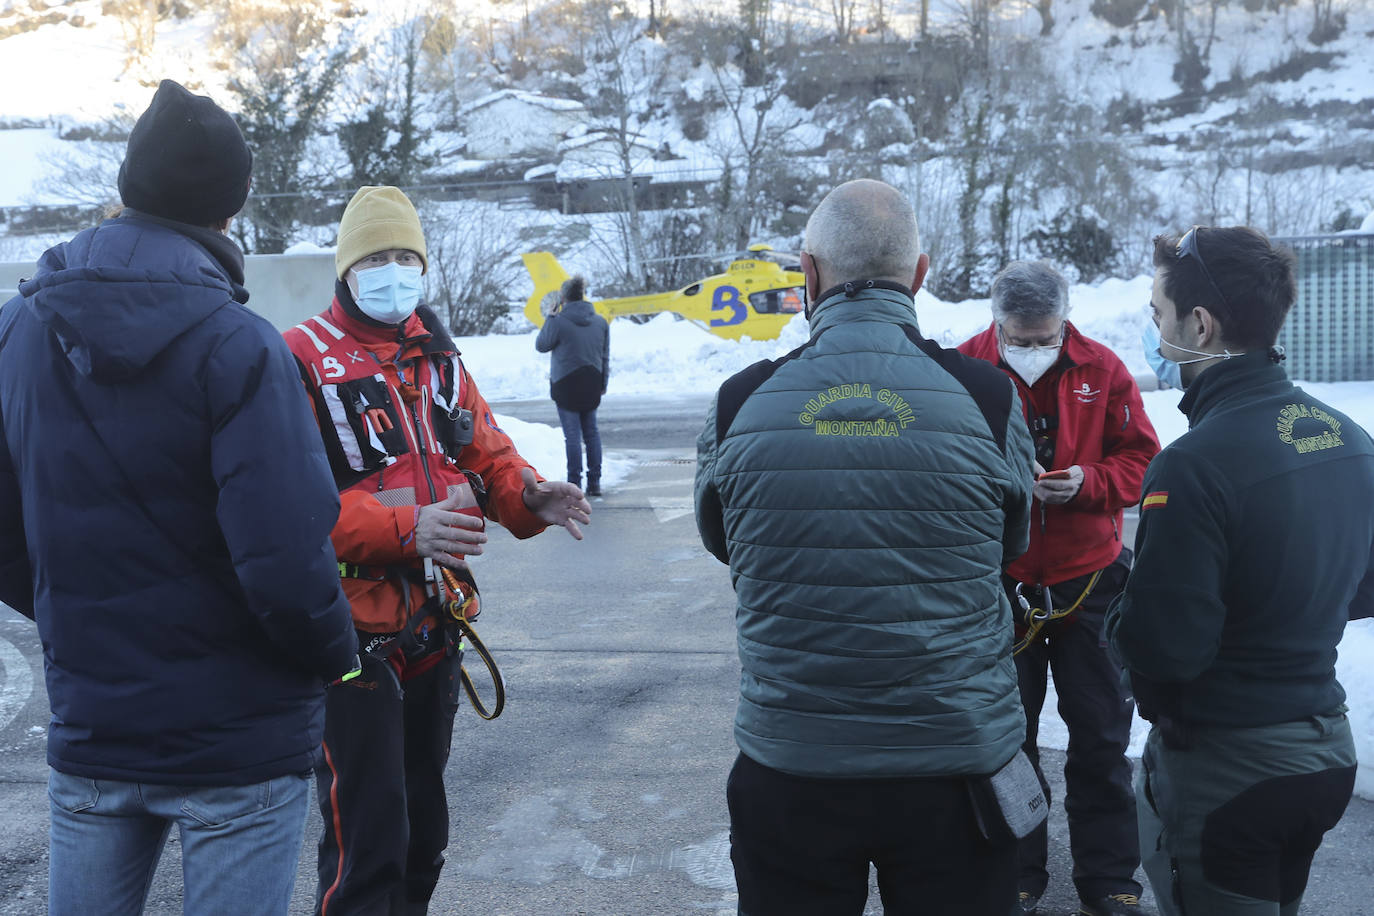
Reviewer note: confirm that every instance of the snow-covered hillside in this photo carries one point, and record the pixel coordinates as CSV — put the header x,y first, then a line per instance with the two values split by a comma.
x,y
1083,126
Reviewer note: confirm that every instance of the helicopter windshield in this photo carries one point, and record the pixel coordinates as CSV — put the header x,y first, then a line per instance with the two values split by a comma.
x,y
776,301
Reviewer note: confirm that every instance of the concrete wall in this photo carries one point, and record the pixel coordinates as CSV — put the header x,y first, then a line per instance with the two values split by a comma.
x,y
285,288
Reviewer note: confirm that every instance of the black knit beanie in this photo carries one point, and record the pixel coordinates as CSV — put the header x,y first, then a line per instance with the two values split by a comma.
x,y
186,160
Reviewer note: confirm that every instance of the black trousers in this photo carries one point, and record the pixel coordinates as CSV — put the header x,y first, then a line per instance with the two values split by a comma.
x,y
1099,800
802,846
381,790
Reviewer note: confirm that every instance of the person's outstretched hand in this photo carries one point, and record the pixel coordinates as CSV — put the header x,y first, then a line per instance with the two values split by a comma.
x,y
556,502
446,535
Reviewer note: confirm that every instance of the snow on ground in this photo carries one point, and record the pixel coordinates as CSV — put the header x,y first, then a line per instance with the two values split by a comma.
x,y
541,445
670,357
27,153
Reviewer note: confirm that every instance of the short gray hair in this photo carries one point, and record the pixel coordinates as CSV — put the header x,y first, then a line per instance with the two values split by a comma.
x,y
864,230
1029,289
574,288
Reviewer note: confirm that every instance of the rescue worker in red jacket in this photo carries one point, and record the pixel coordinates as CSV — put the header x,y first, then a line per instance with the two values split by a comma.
x,y
1092,444
421,465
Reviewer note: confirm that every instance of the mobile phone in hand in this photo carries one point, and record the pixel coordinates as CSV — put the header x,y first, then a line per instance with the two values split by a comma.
x,y
1053,475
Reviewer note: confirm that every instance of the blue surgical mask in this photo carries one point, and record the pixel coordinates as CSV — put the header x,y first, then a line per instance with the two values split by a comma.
x,y
1169,370
388,293
1166,370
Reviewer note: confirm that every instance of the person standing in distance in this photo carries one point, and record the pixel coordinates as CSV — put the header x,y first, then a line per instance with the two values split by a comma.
x,y
867,490
165,510
1255,546
420,465
579,370
1093,442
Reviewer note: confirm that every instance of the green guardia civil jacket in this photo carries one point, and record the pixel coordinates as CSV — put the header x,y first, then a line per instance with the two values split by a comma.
x,y
1254,548
866,490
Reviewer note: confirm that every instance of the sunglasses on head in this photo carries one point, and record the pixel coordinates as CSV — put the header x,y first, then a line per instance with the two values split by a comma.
x,y
1188,248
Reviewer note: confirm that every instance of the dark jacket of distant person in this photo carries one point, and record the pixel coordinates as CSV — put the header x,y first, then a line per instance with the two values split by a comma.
x,y
580,341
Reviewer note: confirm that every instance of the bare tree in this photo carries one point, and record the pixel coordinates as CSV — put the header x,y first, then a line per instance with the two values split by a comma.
x,y
842,12
474,264
626,73
1193,64
754,17
1328,21
975,22
386,145
86,172
138,24
452,61
879,15
287,66
751,143
1046,10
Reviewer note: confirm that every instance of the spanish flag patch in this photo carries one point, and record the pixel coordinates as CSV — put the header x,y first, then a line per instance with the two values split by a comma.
x,y
1156,500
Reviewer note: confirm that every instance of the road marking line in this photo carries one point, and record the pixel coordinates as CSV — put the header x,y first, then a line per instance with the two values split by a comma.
x,y
18,684
668,508
656,484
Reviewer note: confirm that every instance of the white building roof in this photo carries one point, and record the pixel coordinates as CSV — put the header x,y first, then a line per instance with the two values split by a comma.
x,y
529,98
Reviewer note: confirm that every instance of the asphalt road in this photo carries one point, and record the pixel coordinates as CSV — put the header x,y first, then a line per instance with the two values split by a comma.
x,y
601,789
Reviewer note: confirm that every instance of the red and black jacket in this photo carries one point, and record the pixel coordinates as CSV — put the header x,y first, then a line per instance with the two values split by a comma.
x,y
387,403
1101,426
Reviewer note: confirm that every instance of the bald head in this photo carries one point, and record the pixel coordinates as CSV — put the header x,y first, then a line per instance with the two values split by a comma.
x,y
863,230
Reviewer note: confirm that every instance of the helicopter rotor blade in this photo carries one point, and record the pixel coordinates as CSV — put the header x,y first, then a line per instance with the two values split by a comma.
x,y
691,257
790,256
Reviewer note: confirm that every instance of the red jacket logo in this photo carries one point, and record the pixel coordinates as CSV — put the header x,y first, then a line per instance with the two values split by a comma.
x,y
1085,394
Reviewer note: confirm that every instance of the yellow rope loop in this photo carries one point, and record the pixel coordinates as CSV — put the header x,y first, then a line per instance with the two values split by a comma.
x,y
1036,618
473,641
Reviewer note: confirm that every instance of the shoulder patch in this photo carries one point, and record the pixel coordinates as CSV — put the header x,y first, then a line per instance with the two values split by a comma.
x,y
1156,500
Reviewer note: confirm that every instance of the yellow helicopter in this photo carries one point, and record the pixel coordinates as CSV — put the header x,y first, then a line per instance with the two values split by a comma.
x,y
754,297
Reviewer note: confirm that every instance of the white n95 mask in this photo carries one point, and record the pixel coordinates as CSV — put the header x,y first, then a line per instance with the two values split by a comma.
x,y
1031,362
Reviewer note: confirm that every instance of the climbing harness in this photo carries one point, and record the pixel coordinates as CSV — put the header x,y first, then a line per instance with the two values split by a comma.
x,y
1036,618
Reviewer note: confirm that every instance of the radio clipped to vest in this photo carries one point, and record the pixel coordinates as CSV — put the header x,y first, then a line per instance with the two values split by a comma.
x,y
453,428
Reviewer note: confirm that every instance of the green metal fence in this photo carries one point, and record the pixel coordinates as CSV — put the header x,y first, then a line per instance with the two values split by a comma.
x,y
1329,335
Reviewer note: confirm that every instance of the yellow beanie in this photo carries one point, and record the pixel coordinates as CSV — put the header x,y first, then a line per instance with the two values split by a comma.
x,y
378,219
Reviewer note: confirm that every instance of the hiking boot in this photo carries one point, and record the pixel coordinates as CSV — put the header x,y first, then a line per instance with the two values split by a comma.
x,y
594,489
1026,904
1111,905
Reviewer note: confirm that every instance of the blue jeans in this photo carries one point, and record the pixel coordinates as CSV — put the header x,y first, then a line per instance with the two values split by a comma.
x,y
239,844
579,426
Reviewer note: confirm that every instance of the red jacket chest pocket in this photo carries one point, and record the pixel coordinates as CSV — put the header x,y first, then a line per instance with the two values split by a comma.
x,y
366,421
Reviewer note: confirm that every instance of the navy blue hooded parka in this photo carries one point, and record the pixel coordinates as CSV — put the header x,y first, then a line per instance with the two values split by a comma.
x,y
165,509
